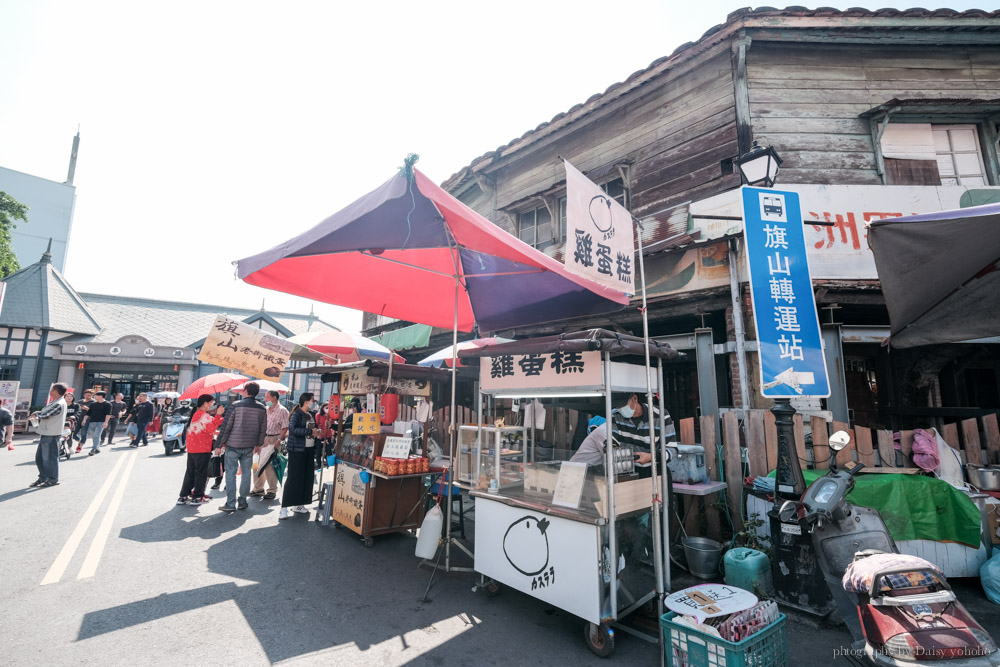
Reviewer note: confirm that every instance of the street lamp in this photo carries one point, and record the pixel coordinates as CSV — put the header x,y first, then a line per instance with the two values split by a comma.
x,y
759,166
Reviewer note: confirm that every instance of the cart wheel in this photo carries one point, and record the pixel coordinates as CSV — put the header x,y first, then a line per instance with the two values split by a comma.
x,y
600,639
493,589
369,542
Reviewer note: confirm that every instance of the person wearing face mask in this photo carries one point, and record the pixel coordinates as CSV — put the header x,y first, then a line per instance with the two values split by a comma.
x,y
277,429
302,434
630,428
201,428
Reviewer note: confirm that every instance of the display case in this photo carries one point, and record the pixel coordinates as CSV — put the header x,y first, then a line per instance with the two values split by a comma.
x,y
489,452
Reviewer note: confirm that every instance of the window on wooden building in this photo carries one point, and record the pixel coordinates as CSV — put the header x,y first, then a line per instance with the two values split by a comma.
x,y
9,369
932,154
534,227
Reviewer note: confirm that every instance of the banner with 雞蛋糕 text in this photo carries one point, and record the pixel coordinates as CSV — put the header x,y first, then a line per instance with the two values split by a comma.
x,y
246,349
540,371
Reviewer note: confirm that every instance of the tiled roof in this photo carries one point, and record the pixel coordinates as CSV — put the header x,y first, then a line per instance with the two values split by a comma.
x,y
682,52
38,296
178,324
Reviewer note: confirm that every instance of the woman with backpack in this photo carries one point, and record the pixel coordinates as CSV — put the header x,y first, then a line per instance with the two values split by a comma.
x,y
302,434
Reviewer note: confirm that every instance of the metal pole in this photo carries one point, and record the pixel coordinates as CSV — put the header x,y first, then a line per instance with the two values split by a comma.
x,y
451,430
666,491
789,483
609,462
657,538
741,354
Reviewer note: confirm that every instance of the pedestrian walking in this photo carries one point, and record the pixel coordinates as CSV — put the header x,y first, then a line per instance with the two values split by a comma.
x,y
50,425
143,416
81,418
200,431
243,431
302,433
98,416
118,410
7,423
324,447
277,429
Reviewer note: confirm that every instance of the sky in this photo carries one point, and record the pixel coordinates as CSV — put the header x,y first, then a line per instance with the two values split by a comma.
x,y
211,131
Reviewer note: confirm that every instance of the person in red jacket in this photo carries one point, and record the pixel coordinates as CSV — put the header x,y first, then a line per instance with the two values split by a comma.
x,y
201,428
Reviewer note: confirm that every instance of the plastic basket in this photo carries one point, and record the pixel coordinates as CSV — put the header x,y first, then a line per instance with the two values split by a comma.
x,y
686,647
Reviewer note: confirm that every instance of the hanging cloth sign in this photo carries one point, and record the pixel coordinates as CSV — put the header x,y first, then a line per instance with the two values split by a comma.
x,y
600,244
245,349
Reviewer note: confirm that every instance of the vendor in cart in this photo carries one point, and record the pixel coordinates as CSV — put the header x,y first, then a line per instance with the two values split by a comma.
x,y
629,428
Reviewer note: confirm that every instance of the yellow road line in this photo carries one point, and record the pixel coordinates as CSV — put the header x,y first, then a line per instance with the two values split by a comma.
x,y
61,562
101,538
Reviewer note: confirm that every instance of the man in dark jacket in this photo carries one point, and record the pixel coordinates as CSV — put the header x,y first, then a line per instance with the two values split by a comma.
x,y
243,431
144,412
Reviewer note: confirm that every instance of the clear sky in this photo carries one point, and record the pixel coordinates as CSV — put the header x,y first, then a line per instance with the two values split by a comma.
x,y
213,130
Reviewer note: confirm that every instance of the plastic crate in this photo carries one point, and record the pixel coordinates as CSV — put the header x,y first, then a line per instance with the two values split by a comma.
x,y
686,647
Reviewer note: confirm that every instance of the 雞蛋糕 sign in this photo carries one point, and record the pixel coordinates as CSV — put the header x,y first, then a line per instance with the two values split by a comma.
x,y
542,371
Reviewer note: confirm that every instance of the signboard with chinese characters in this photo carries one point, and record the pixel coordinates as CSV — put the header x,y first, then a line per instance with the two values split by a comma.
x,y
396,447
709,600
22,408
540,371
366,423
348,498
246,349
600,244
8,396
788,334
357,382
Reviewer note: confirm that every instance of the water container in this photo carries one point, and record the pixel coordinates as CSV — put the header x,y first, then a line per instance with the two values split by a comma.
x,y
749,569
430,533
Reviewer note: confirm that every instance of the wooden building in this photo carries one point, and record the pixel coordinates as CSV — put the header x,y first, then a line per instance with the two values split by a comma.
x,y
874,113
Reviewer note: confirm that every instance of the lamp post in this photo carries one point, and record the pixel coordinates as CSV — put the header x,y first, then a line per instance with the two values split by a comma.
x,y
759,166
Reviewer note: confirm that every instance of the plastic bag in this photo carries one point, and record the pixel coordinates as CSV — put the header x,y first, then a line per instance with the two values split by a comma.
x,y
989,574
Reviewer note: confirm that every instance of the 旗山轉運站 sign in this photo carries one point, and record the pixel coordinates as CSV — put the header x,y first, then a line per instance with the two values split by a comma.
x,y
246,349
599,241
788,333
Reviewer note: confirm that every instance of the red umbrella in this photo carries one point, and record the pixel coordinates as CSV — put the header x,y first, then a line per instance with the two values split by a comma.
x,y
213,384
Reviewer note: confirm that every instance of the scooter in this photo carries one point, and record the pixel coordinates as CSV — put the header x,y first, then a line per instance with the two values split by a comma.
x,y
899,608
174,432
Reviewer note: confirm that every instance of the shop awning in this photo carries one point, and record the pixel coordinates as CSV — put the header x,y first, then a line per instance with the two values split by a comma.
x,y
415,335
940,274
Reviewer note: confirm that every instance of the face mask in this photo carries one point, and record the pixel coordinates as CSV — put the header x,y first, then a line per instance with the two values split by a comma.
x,y
626,411
270,404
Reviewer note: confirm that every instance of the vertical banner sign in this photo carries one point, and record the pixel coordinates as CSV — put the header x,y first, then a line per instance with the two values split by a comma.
x,y
784,309
599,240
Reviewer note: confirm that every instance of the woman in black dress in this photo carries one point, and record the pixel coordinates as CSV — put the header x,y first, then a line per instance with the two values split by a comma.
x,y
302,434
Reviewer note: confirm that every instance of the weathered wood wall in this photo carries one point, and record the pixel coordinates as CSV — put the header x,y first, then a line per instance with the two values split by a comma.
x,y
805,99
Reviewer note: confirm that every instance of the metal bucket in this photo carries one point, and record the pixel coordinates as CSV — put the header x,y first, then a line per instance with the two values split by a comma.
x,y
703,556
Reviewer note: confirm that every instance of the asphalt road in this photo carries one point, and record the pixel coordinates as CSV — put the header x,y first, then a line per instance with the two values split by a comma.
x,y
105,569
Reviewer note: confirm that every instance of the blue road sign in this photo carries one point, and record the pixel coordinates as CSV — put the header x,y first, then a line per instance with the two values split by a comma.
x,y
788,334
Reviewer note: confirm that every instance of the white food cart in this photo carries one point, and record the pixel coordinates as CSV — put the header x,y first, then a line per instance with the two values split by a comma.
x,y
561,531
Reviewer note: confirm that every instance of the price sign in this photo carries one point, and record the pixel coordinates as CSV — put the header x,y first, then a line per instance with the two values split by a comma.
x,y
366,423
396,447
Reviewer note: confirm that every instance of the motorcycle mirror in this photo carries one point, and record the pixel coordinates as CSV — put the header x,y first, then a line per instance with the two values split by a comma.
x,y
787,511
839,440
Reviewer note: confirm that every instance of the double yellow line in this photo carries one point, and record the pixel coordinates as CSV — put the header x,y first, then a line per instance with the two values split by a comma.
x,y
93,557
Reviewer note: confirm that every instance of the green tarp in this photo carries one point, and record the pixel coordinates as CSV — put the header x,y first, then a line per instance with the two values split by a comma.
x,y
415,335
915,507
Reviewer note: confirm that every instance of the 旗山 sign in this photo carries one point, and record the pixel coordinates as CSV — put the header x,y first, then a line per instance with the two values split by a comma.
x,y
348,498
356,381
529,371
599,240
788,334
241,347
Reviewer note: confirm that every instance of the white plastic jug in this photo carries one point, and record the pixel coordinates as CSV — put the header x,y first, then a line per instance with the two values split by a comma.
x,y
430,533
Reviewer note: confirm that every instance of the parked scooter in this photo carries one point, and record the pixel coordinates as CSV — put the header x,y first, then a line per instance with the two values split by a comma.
x,y
906,613
175,432
66,439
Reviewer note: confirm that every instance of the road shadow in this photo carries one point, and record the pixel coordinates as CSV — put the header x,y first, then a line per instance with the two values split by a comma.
x,y
10,495
181,522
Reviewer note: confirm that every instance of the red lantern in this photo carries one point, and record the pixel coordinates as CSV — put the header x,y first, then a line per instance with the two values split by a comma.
x,y
389,406
334,409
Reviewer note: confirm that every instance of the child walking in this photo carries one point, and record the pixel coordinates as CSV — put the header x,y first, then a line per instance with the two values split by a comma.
x,y
200,431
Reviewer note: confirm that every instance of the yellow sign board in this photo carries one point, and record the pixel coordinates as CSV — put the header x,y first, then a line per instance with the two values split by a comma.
x,y
348,498
367,423
246,349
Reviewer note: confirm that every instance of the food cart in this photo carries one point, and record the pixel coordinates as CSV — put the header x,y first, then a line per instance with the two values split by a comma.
x,y
562,531
380,471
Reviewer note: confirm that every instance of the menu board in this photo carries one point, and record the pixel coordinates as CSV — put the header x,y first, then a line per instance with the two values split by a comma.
x,y
569,484
396,447
349,498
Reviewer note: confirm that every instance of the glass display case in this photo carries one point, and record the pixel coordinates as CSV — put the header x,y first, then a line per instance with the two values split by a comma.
x,y
490,453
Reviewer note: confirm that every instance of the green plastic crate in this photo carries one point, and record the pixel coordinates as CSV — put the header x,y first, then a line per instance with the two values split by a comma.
x,y
687,647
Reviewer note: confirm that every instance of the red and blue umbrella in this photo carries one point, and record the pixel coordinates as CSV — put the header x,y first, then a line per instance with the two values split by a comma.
x,y
340,347
444,357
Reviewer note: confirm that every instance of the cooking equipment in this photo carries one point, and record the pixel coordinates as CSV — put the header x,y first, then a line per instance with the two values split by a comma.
x,y
984,478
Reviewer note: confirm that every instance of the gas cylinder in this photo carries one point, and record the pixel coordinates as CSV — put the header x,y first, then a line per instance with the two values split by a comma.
x,y
750,570
389,406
